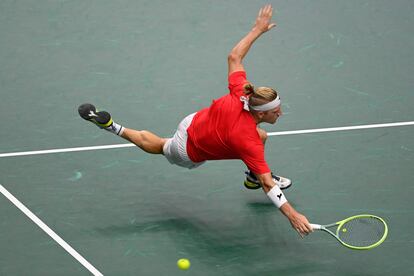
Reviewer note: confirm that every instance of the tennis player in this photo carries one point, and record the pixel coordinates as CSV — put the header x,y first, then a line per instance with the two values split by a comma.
x,y
227,129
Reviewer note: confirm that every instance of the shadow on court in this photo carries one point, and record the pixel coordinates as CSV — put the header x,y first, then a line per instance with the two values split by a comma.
x,y
224,244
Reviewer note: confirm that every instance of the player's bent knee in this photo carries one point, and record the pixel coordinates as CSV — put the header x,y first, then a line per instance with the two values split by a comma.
x,y
262,134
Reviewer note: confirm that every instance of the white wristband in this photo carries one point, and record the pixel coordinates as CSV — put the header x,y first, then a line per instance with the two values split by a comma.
x,y
277,196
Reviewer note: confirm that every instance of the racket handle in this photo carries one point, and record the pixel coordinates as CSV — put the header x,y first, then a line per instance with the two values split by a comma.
x,y
316,226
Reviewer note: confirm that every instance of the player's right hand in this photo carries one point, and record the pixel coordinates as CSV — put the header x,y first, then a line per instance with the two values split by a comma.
x,y
300,223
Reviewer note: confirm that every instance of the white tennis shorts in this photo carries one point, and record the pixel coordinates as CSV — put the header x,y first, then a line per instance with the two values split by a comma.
x,y
175,149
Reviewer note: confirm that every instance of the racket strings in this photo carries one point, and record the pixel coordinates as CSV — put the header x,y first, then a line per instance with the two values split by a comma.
x,y
362,232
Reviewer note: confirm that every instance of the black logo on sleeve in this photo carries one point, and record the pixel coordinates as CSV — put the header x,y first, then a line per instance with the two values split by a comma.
x,y
279,196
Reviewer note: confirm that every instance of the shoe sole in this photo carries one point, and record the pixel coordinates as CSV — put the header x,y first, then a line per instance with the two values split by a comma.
x,y
104,119
251,186
85,109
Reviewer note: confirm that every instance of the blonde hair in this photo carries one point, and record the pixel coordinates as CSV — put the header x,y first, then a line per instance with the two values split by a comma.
x,y
260,95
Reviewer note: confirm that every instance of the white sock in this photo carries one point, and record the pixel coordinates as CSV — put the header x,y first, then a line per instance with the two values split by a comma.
x,y
115,129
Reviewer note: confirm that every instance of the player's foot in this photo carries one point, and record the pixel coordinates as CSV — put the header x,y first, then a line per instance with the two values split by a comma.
x,y
100,118
253,183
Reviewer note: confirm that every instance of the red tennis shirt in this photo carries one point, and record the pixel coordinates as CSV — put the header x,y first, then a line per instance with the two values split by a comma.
x,y
226,131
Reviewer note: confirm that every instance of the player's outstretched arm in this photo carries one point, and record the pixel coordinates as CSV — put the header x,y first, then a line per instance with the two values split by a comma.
x,y
262,25
298,221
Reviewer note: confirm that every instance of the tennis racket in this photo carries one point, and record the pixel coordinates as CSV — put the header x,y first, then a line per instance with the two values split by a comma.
x,y
357,232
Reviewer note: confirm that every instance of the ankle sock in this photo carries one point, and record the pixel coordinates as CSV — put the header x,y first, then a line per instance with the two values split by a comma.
x,y
115,129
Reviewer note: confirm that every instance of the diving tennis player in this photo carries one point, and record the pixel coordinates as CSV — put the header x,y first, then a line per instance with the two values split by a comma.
x,y
227,129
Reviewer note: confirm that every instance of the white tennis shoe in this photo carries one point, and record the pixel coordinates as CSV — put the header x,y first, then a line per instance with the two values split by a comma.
x,y
253,183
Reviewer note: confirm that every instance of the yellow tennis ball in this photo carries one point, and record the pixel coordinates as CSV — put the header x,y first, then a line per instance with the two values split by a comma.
x,y
344,230
183,264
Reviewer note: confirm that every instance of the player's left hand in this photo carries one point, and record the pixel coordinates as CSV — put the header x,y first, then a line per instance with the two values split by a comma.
x,y
263,20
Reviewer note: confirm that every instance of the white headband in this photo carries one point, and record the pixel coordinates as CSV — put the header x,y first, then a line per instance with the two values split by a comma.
x,y
264,107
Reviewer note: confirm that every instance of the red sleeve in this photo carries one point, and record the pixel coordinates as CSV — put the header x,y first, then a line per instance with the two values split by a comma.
x,y
252,155
236,82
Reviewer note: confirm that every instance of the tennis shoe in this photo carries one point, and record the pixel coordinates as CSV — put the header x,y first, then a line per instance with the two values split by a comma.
x,y
253,183
100,118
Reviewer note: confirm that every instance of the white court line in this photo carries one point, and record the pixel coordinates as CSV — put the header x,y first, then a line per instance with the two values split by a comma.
x,y
49,231
37,152
304,131
307,131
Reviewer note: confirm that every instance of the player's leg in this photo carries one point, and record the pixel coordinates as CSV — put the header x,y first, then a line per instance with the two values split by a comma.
x,y
262,134
144,139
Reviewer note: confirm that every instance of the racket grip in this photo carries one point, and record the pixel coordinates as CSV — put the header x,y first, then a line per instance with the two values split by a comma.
x,y
316,226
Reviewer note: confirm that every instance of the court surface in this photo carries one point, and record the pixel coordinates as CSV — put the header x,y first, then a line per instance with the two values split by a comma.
x,y
150,63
